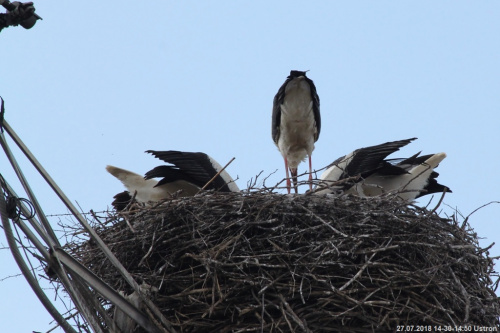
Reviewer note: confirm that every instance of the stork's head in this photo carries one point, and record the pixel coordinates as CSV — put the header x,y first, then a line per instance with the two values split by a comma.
x,y
295,74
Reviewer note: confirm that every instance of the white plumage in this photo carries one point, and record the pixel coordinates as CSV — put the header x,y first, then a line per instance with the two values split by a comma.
x,y
187,175
145,190
296,123
409,185
373,175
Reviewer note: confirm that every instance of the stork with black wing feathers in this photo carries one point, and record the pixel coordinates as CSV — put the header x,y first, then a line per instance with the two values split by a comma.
x,y
296,123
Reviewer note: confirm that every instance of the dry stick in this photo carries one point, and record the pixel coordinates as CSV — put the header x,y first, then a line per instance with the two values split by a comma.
x,y
418,175
150,249
129,224
439,203
216,175
464,294
323,185
486,248
300,291
261,291
391,247
475,210
225,245
360,303
262,315
277,185
152,317
295,318
94,215
358,273
72,315
324,222
127,208
440,307
286,318
302,182
132,199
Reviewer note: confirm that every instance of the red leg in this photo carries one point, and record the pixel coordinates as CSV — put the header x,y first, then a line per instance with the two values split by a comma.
x,y
288,184
310,174
293,172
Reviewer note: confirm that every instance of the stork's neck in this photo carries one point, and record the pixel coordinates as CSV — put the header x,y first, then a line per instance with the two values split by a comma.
x,y
297,99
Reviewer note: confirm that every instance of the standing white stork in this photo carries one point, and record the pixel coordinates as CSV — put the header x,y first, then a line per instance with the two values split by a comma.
x,y
411,178
188,174
296,123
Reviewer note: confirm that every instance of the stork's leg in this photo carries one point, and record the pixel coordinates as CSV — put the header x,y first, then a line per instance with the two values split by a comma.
x,y
288,184
293,171
310,174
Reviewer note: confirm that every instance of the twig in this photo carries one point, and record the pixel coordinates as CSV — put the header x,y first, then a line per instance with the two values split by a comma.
x,y
294,316
150,249
216,175
358,273
439,202
324,222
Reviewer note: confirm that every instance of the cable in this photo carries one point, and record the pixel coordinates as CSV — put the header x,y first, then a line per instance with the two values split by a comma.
x,y
13,204
26,271
2,111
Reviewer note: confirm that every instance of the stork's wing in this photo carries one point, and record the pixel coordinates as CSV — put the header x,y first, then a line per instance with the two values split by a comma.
x,y
315,100
276,117
413,160
170,174
199,167
432,184
366,161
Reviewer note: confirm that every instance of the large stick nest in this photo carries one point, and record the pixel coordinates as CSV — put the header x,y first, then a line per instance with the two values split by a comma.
x,y
279,263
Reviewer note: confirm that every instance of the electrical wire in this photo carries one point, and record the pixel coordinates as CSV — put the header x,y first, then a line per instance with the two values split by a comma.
x,y
13,204
26,271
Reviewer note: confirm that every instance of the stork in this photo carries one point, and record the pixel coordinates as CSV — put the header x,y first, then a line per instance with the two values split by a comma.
x,y
296,123
197,169
144,190
373,175
186,176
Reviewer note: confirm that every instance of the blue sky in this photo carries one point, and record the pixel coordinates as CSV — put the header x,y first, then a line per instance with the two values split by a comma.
x,y
98,83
